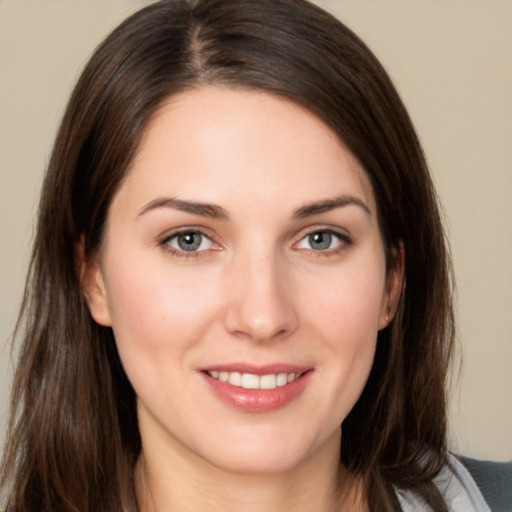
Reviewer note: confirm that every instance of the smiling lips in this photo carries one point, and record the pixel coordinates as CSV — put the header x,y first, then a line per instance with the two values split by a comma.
x,y
251,381
257,389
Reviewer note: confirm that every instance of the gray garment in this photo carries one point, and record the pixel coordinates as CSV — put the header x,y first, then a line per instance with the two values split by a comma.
x,y
457,487
494,479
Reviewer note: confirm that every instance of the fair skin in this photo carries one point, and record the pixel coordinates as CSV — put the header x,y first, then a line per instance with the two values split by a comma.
x,y
278,267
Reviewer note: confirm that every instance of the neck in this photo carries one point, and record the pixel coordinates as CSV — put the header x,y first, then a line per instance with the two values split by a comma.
x,y
171,482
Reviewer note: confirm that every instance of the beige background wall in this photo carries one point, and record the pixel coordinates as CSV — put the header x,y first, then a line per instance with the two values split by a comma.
x,y
452,62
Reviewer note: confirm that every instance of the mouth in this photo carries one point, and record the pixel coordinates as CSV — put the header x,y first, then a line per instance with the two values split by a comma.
x,y
262,389
253,381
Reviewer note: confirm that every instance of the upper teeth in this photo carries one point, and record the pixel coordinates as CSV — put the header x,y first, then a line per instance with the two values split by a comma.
x,y
250,381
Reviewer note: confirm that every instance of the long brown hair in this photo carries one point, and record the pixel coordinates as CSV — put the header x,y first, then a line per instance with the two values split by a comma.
x,y
73,438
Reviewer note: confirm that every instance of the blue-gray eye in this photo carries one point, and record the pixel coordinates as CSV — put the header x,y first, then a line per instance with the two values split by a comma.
x,y
190,241
321,240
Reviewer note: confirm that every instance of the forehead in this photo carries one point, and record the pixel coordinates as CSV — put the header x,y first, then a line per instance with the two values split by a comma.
x,y
209,139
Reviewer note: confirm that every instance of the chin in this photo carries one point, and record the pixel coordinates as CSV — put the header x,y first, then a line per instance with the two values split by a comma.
x,y
263,463
265,455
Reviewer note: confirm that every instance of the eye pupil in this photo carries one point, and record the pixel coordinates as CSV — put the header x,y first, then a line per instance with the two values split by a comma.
x,y
189,241
320,240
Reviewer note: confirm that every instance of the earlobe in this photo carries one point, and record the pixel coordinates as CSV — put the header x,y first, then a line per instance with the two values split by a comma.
x,y
394,286
93,285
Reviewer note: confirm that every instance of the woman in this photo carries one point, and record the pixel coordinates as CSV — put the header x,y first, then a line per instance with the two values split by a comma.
x,y
226,270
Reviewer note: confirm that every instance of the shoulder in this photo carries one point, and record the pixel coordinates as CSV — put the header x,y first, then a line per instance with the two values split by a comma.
x,y
456,485
494,480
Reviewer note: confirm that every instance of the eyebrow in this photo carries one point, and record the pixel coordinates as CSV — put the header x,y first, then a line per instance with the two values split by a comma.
x,y
328,205
217,212
204,209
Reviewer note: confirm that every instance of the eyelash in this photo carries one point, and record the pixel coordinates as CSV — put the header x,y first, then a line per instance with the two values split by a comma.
x,y
344,240
165,241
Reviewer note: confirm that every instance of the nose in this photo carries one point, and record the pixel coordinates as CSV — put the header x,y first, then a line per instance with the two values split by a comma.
x,y
261,306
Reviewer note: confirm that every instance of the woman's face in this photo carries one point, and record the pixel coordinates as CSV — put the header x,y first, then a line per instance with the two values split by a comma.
x,y
244,246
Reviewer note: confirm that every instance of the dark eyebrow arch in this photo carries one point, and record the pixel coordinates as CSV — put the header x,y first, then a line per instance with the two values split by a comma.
x,y
329,204
204,209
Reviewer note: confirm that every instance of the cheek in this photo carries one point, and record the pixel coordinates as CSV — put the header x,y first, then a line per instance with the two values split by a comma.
x,y
349,302
157,310
346,313
349,321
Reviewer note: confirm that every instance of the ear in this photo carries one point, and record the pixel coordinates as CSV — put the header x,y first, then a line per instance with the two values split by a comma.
x,y
93,285
395,285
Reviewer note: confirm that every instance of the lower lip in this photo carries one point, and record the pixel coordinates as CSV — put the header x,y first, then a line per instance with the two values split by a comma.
x,y
258,400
